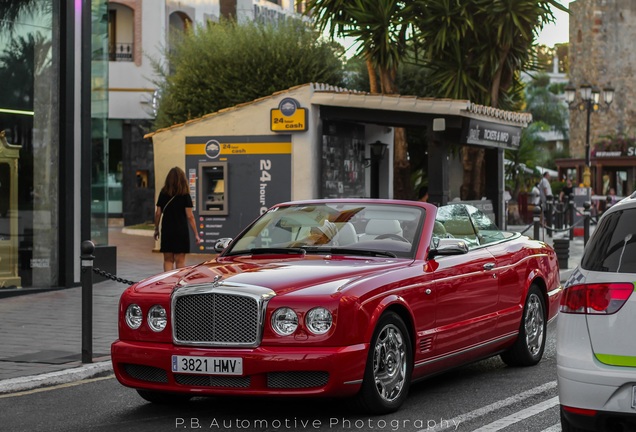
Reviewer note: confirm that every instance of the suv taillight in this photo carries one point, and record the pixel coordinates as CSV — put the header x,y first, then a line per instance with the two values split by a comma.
x,y
595,299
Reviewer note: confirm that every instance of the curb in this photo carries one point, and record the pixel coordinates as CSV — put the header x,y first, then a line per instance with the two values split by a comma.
x,y
92,370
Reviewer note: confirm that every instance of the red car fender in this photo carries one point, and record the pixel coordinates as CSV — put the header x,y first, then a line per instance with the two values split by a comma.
x,y
381,307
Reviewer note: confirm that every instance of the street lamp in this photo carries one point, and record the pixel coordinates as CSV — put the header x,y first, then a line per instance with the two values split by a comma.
x,y
590,98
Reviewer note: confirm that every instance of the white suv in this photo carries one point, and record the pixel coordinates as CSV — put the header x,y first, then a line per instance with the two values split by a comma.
x,y
596,330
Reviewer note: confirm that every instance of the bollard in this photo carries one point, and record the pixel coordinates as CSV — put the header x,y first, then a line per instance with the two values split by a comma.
x,y
536,219
586,222
562,249
86,277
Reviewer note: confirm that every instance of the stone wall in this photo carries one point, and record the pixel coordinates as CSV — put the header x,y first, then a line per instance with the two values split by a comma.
x,y
603,53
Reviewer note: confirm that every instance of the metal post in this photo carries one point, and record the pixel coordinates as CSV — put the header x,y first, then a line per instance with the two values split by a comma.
x,y
549,212
536,219
571,218
86,277
586,222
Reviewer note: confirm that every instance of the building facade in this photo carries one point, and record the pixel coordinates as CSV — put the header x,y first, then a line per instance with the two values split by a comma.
x,y
602,54
139,33
53,104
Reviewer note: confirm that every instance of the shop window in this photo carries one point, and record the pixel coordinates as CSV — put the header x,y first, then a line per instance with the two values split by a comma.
x,y
213,188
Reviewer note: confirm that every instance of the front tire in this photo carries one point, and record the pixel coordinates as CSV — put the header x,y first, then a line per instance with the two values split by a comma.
x,y
528,348
387,375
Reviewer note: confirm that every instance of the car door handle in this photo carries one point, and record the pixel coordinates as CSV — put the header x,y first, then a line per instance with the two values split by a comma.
x,y
489,266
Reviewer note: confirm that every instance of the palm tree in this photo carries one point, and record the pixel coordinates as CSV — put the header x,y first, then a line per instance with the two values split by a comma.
x,y
381,29
12,11
475,49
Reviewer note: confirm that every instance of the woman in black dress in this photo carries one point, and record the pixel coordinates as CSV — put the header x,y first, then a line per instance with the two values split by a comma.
x,y
175,205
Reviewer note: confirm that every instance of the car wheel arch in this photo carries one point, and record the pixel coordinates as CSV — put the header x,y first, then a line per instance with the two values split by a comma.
x,y
397,305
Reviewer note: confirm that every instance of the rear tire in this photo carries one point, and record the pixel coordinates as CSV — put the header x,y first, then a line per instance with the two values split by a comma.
x,y
528,348
164,398
387,375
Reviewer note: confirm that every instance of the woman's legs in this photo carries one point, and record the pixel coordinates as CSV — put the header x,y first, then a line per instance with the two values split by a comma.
x,y
179,259
168,261
173,261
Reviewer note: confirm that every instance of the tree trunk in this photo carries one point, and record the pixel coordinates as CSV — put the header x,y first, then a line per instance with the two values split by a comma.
x,y
402,188
373,78
474,182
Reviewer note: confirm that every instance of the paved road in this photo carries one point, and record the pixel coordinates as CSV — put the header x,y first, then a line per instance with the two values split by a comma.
x,y
41,340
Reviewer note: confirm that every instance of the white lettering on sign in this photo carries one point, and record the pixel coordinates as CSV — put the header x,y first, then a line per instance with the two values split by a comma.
x,y
631,151
493,135
40,263
266,176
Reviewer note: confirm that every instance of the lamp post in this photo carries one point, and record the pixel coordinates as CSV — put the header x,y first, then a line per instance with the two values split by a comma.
x,y
590,98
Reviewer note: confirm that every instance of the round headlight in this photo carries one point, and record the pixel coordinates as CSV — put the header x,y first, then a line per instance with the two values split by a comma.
x,y
318,320
157,319
134,316
284,321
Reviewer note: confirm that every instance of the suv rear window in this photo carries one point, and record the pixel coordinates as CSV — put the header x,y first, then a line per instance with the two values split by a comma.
x,y
612,248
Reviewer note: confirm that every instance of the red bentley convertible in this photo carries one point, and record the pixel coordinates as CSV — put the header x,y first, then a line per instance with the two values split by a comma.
x,y
350,298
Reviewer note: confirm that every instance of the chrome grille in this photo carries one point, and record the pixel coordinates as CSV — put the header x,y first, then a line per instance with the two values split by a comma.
x,y
209,315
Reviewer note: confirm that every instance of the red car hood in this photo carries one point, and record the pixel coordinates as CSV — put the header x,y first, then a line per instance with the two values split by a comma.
x,y
312,274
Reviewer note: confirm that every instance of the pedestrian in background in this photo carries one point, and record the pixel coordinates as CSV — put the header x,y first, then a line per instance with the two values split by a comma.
x,y
567,192
173,216
423,194
546,195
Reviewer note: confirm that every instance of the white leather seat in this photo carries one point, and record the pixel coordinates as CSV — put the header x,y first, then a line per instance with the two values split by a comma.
x,y
377,227
346,234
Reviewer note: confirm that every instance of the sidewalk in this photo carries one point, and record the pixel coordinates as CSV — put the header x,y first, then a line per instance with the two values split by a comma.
x,y
42,332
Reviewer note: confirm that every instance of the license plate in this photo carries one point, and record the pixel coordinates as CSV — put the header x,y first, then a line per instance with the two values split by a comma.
x,y
207,365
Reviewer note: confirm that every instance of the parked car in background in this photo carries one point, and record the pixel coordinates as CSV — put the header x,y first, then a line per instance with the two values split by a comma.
x,y
596,346
351,298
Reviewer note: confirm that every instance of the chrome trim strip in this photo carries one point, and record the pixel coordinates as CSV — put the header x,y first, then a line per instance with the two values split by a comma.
x,y
555,291
447,356
353,382
261,295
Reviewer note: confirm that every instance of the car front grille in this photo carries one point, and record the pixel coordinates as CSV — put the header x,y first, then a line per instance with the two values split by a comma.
x,y
212,381
146,373
209,315
299,379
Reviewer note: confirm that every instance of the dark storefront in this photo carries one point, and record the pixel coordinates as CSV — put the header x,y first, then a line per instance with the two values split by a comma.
x,y
41,96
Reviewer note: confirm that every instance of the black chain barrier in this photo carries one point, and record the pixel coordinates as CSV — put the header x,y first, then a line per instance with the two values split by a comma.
x,y
527,228
580,222
112,276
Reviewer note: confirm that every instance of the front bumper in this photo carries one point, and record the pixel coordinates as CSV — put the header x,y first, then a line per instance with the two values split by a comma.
x,y
324,371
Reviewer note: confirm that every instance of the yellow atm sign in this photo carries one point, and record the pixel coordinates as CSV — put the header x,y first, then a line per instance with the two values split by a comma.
x,y
288,117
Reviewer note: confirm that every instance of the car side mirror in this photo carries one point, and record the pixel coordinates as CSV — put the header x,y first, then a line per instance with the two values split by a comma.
x,y
448,246
221,244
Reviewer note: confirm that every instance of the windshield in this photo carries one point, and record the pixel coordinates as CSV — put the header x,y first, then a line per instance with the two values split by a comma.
x,y
348,228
